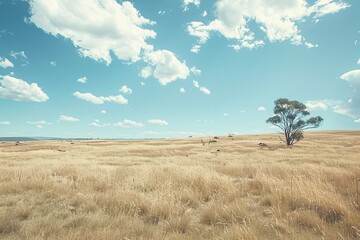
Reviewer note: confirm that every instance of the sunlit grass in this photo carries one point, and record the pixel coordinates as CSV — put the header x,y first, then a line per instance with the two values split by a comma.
x,y
180,189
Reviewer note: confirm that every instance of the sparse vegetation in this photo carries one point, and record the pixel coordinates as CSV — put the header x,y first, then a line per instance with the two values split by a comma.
x,y
179,189
288,116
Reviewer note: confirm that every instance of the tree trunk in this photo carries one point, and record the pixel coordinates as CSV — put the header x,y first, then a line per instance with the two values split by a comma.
x,y
288,138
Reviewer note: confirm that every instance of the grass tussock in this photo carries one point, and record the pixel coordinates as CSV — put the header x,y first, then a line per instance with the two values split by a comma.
x,y
180,189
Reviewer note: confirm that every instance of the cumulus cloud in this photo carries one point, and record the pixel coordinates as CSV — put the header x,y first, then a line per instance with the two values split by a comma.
x,y
186,4
357,120
146,72
261,109
204,14
5,63
65,118
279,20
164,66
126,90
97,28
352,106
89,97
97,123
82,80
195,49
19,90
126,123
182,90
205,90
358,62
202,89
103,111
195,71
196,84
52,63
101,28
5,123
158,122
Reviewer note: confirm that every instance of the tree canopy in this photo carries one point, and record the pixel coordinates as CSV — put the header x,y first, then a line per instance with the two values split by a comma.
x,y
289,117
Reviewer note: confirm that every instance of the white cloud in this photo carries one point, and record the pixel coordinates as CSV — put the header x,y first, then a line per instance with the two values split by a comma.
x,y
102,28
196,84
261,109
352,106
39,124
128,124
317,105
205,90
164,66
89,97
195,49
12,73
68,118
52,63
82,80
5,63
310,45
146,72
142,84
336,106
358,62
161,12
158,122
204,14
103,111
126,90
352,77
182,90
186,4
324,7
19,90
5,123
202,89
357,120
97,28
21,56
195,71
225,114
249,45
279,20
96,124
17,55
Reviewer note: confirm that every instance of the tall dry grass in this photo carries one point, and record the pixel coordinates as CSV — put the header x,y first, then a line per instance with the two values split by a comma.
x,y
180,189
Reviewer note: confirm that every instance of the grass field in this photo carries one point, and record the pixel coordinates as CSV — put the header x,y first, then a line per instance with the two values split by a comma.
x,y
182,189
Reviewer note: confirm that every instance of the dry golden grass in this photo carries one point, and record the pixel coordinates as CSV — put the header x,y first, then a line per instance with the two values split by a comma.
x,y
180,189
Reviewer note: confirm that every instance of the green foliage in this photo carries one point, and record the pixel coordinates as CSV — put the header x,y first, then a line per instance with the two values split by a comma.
x,y
288,116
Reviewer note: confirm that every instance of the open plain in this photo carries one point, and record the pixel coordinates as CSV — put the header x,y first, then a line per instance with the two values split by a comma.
x,y
181,189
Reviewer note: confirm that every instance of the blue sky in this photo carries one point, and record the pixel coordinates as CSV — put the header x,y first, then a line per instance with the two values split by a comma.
x,y
144,69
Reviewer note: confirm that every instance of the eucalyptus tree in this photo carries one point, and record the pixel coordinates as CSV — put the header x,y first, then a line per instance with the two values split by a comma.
x,y
289,117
